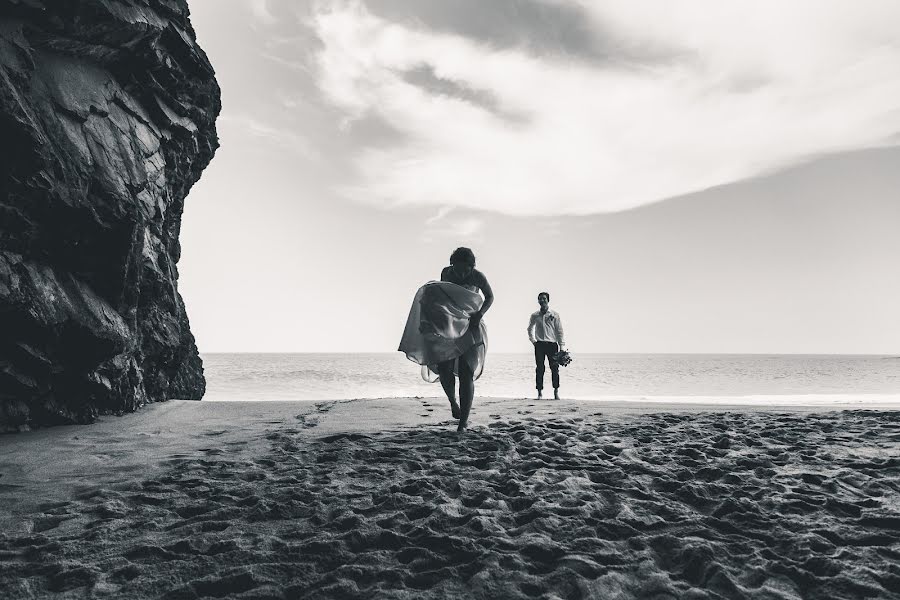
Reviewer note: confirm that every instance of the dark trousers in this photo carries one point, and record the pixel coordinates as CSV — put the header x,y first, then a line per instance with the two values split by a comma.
x,y
548,349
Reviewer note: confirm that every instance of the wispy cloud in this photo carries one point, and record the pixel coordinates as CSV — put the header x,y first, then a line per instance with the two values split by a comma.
x,y
281,137
747,87
463,230
439,215
466,229
260,11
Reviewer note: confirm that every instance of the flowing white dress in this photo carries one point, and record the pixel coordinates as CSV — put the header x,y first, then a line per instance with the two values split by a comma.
x,y
437,329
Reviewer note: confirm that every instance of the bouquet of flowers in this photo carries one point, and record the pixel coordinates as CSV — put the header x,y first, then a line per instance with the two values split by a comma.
x,y
563,358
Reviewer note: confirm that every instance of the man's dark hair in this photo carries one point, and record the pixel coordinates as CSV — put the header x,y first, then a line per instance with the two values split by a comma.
x,y
462,256
544,294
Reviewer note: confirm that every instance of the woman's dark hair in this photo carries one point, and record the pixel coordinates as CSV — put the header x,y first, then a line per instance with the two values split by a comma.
x,y
544,294
462,256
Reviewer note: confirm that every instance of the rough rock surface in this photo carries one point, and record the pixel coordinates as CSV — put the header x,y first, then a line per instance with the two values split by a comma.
x,y
107,118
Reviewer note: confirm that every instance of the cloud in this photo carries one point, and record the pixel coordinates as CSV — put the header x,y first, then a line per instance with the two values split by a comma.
x,y
731,91
533,25
424,77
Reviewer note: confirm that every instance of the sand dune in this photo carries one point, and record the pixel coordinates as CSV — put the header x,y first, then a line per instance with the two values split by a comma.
x,y
586,502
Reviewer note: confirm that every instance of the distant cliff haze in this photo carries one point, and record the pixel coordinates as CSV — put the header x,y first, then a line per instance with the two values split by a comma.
x,y
107,118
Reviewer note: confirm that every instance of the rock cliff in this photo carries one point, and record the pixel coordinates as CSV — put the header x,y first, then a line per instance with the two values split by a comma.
x,y
107,118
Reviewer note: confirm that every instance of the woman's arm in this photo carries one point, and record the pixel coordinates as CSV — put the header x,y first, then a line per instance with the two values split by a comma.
x,y
488,296
485,288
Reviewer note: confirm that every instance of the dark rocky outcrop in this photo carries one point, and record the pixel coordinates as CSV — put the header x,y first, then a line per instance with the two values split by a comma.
x,y
107,118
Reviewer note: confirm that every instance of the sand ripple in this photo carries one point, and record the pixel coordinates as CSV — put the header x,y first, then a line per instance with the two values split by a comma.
x,y
710,505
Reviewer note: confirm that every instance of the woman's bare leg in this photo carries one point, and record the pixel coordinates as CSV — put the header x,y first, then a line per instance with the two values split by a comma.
x,y
448,382
466,393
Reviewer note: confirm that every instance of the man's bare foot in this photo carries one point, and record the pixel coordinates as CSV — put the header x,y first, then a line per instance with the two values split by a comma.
x,y
556,394
540,394
454,409
461,427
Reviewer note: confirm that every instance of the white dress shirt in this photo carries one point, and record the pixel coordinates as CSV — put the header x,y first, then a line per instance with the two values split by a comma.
x,y
546,327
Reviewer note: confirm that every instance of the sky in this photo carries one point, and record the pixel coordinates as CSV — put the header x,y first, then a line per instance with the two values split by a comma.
x,y
681,177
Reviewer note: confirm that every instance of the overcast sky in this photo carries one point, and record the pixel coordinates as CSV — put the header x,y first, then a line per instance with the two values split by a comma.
x,y
682,177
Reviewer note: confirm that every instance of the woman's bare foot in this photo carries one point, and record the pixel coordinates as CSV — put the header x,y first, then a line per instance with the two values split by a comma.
x,y
461,427
454,409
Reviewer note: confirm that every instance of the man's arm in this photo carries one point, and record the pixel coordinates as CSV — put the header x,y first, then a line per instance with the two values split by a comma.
x,y
560,336
530,329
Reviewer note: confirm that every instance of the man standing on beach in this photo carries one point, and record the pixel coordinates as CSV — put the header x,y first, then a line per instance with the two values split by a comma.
x,y
546,333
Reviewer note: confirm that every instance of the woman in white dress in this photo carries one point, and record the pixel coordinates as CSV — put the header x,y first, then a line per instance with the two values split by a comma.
x,y
445,332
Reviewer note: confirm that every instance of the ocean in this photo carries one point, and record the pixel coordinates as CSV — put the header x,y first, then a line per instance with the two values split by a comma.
x,y
716,378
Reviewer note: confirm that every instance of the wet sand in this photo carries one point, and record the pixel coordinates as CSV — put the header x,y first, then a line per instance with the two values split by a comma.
x,y
381,498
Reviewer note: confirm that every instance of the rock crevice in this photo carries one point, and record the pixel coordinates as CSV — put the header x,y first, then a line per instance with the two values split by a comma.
x,y
107,118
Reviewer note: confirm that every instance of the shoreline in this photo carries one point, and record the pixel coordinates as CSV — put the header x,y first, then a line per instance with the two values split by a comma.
x,y
178,428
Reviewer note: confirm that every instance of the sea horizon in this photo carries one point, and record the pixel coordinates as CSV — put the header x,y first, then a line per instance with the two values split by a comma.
x,y
753,379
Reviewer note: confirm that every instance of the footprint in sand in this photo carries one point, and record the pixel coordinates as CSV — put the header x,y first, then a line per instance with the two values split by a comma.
x,y
53,506
308,422
49,522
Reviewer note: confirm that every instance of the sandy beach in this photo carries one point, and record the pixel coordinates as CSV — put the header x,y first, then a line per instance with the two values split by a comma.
x,y
381,498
